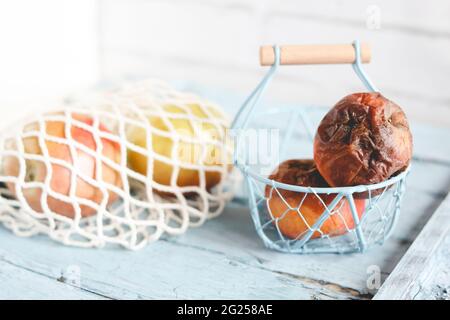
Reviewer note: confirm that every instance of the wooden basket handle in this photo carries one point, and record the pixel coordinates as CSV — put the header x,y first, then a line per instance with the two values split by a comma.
x,y
314,54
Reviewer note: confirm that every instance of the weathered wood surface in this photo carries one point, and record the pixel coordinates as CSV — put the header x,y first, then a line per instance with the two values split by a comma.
x,y
424,273
225,258
222,259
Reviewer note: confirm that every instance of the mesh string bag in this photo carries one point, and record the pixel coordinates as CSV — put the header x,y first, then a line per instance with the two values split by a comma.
x,y
125,167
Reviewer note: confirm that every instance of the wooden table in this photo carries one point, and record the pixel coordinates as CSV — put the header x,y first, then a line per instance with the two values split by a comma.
x,y
225,259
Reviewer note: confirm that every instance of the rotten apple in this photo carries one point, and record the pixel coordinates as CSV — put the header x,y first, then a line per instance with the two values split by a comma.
x,y
296,212
364,139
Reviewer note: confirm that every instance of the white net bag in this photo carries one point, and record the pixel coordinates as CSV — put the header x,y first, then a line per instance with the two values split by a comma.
x,y
137,163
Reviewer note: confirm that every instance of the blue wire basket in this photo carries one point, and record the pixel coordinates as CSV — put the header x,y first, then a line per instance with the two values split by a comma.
x,y
363,222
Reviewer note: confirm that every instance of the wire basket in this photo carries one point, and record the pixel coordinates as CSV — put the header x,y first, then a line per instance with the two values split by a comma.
x,y
282,213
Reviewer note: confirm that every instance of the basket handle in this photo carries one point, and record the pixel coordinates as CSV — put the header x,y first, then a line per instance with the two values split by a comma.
x,y
355,57
314,54
354,53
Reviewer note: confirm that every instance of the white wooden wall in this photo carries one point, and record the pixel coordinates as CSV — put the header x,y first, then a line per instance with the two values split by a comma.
x,y
215,43
48,48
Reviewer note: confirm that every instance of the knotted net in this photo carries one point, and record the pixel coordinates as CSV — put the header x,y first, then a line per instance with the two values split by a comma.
x,y
123,168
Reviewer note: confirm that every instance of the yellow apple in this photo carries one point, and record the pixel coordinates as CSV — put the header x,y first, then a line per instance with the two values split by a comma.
x,y
192,134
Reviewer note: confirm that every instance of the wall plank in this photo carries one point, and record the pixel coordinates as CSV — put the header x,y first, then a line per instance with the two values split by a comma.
x,y
402,16
216,43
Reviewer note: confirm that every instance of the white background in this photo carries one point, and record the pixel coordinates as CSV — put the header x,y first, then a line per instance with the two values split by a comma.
x,y
50,48
47,49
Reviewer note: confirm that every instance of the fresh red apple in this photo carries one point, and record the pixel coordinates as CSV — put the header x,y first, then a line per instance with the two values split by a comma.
x,y
60,179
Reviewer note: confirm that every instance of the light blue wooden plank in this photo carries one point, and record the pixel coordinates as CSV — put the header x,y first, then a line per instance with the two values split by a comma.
x,y
431,143
222,259
219,256
429,177
233,234
437,285
23,283
164,270
424,268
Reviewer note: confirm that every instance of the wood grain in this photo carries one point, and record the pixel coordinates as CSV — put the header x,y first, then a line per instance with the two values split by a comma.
x,y
22,282
402,67
225,258
422,261
314,54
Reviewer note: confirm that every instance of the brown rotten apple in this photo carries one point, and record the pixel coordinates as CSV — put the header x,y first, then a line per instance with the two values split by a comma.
x,y
363,139
283,204
60,179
